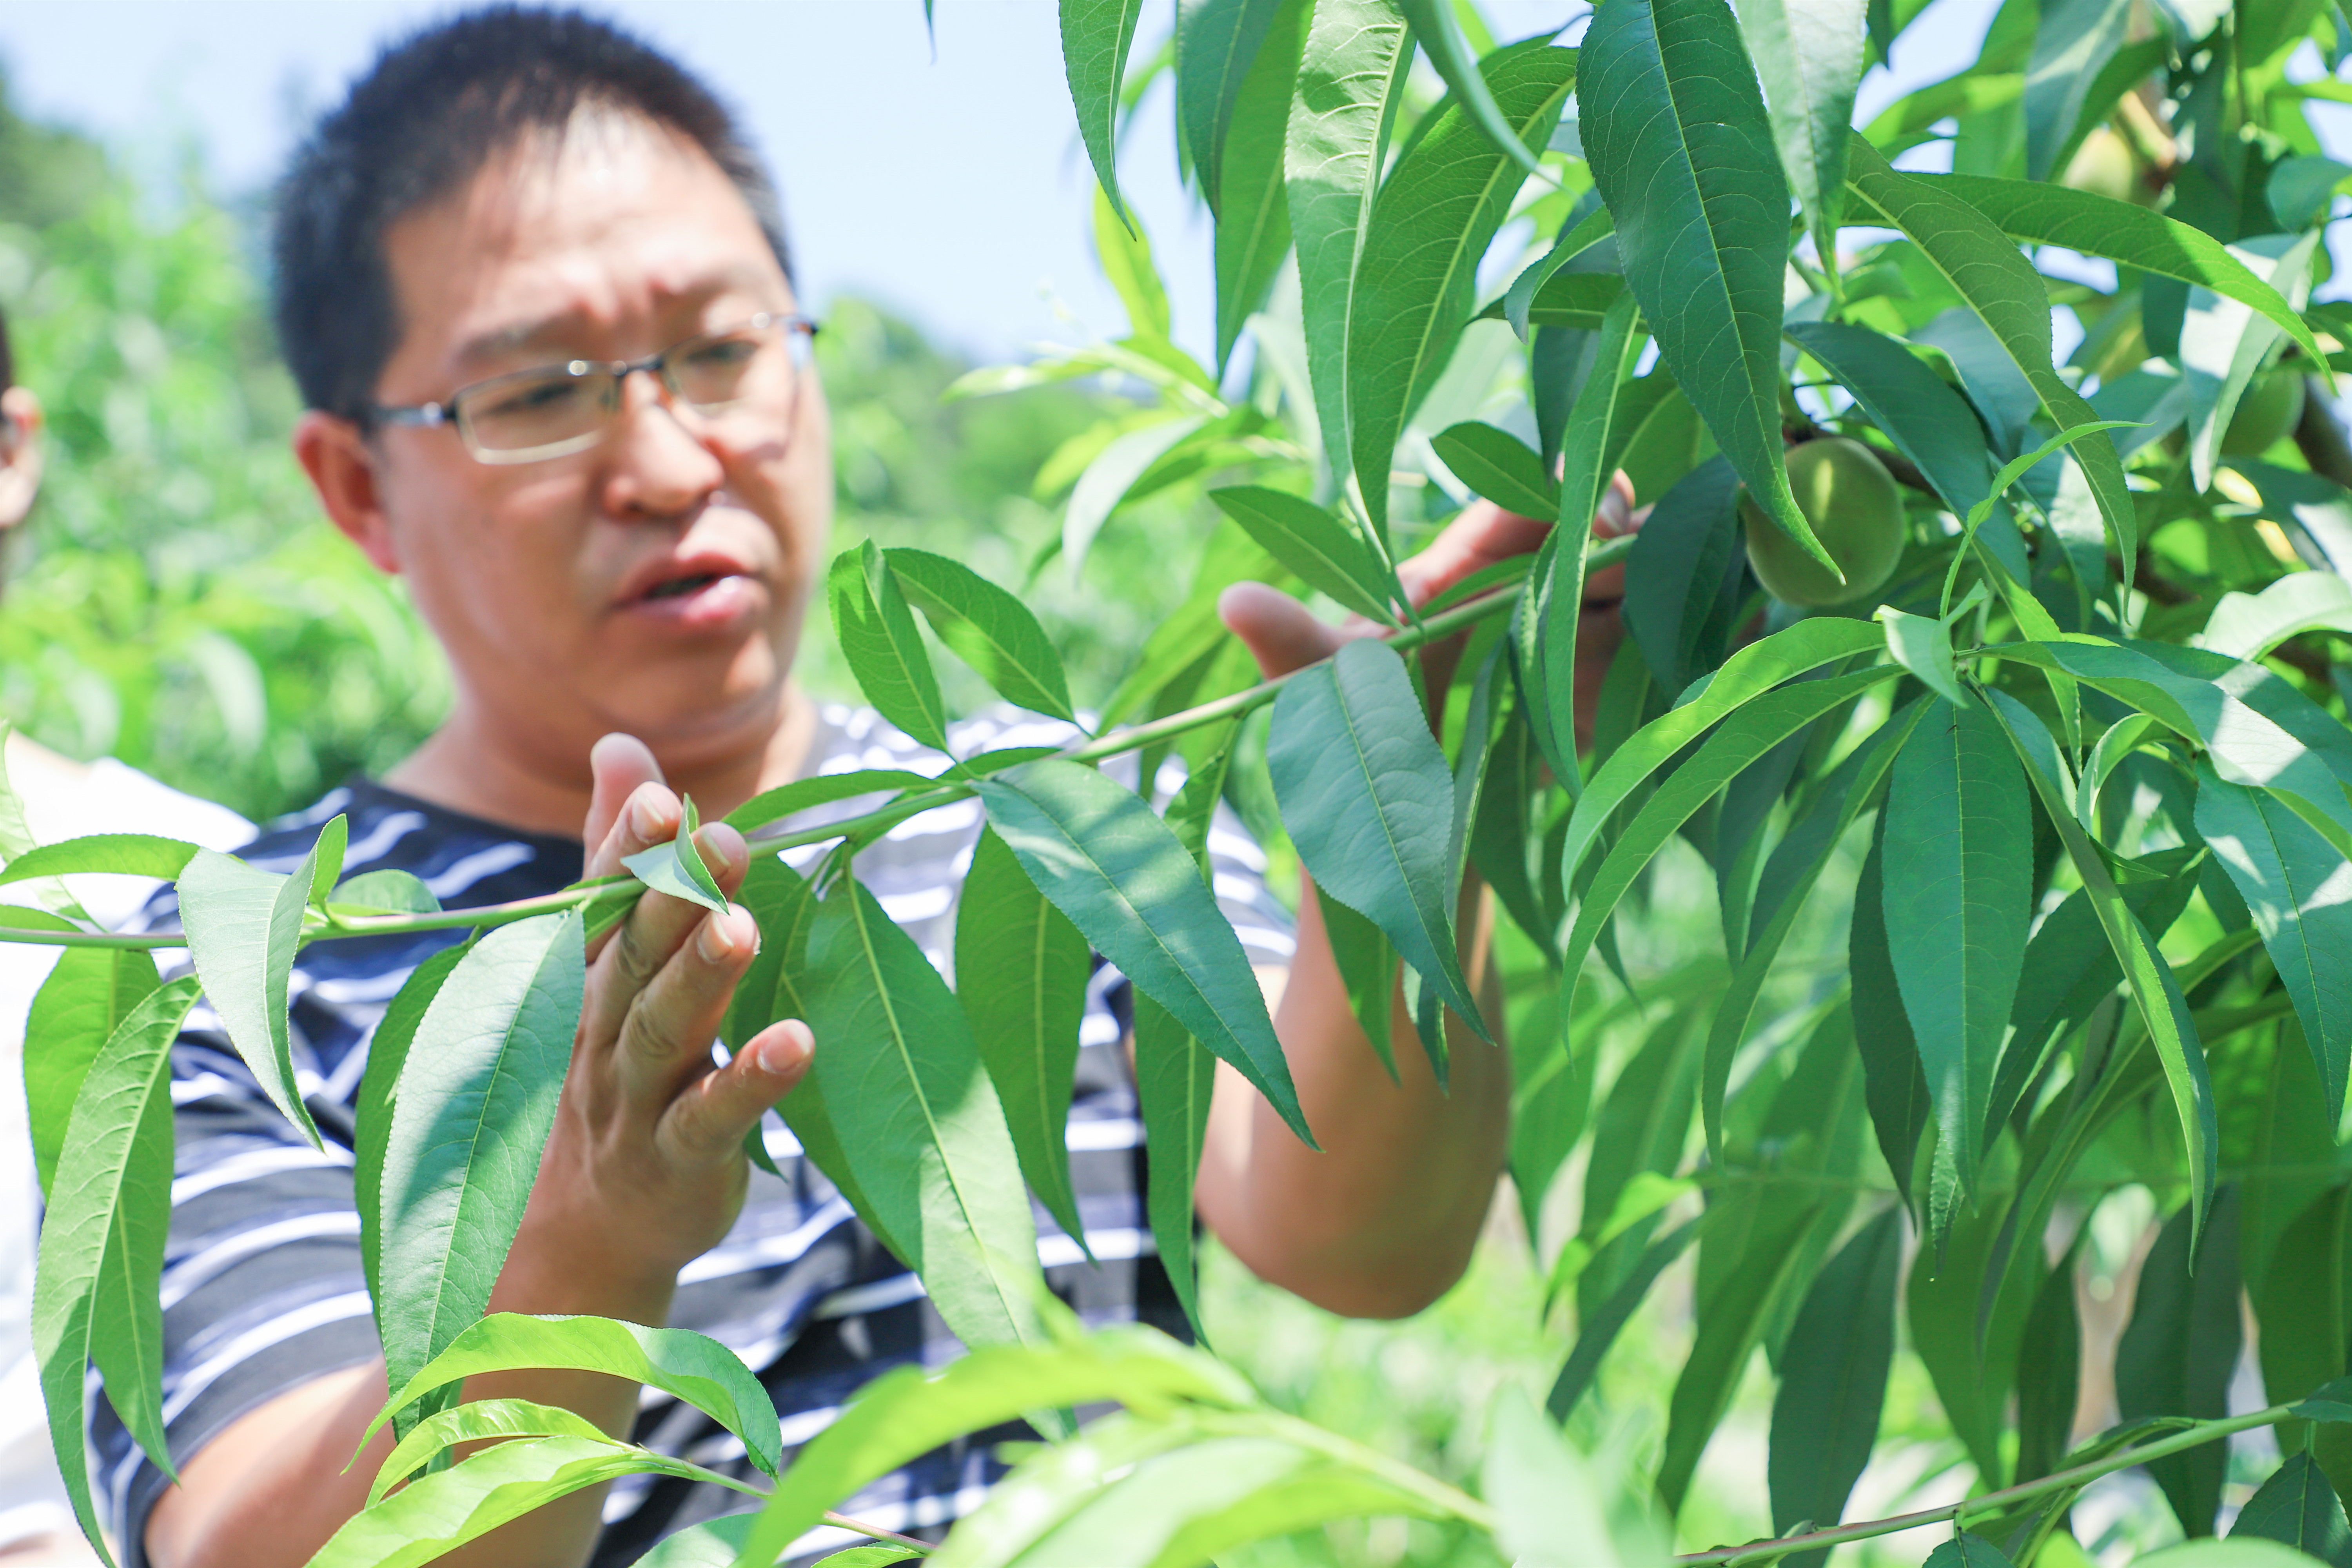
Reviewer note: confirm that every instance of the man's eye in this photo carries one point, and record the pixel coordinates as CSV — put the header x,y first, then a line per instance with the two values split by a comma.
x,y
726,353
533,398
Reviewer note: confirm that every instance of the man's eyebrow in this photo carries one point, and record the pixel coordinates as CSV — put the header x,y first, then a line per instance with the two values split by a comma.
x,y
501,343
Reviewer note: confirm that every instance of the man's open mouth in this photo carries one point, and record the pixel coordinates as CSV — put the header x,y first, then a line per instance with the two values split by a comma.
x,y
679,587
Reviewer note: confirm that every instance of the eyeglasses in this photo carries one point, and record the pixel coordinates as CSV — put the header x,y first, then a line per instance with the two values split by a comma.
x,y
754,367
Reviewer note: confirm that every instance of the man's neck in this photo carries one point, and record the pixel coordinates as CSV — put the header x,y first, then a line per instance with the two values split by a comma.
x,y
467,766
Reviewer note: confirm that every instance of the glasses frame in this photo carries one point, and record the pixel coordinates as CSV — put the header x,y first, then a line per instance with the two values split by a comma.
x,y
799,332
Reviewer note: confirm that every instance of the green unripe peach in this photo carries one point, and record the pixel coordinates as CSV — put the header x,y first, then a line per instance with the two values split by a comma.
x,y
1851,503
2104,165
2271,409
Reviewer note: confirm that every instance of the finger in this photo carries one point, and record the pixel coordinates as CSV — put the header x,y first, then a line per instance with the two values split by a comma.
x,y
1615,520
709,1119
1277,629
1482,536
635,951
665,1039
619,766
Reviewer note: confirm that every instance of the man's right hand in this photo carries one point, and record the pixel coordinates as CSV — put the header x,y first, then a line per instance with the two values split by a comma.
x,y
645,1171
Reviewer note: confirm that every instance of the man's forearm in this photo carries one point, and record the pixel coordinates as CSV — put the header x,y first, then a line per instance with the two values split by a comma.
x,y
1383,1220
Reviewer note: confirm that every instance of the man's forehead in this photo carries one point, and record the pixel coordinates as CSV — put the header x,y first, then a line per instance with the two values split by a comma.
x,y
560,330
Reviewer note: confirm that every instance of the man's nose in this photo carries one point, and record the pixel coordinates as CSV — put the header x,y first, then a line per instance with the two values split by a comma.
x,y
657,469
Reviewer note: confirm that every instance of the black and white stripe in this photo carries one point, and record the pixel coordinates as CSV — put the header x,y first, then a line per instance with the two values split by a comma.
x,y
262,1284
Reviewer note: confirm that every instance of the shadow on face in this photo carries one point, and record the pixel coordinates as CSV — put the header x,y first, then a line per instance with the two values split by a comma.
x,y
656,582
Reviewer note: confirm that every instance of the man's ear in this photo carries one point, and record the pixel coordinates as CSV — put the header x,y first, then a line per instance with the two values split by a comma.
x,y
343,470
20,454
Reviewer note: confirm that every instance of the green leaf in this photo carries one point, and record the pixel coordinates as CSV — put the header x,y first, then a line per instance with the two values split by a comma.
x,y
1125,252
905,1414
1957,901
2049,1371
2249,625
2178,1350
804,794
2122,232
379,1086
1895,1088
1684,567
691,1367
917,1119
16,842
1325,552
2074,44
1021,975
481,1420
1967,1551
1682,151
2299,1299
1754,669
877,637
1216,42
1369,801
1499,465
1923,644
101,1243
1417,277
1368,969
2297,1505
1250,195
1096,850
2223,347
243,928
1552,608
1574,300
1095,38
472,1113
2155,991
987,629
77,1010
437,1513
2295,884
1519,299
1175,1078
387,893
1550,1510
1746,734
1810,54
1599,1329
1985,269
1112,474
1351,77
1440,36
116,854
1731,1322
1833,1381
677,868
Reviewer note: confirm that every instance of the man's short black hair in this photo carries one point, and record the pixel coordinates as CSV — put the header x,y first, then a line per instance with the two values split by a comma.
x,y
428,115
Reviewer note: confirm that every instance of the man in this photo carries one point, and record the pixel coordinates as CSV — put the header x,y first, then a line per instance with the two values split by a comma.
x,y
62,799
534,290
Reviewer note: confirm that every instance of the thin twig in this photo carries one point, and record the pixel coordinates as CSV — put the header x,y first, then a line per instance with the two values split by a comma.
x,y
843,1522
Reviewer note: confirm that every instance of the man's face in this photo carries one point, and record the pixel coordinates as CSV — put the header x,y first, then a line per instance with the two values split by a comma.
x,y
656,583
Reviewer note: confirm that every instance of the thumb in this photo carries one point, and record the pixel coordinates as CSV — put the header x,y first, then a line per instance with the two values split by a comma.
x,y
1276,628
618,763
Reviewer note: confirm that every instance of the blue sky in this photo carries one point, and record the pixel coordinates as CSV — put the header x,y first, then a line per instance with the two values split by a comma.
x,y
950,187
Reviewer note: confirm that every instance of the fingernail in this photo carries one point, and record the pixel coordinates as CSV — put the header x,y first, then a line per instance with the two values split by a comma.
x,y
641,818
784,1054
717,943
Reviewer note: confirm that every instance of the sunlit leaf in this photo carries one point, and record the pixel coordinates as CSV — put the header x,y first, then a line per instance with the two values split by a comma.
x,y
1095,38
388,892
1250,195
1110,475
1175,1078
117,853
677,869
2074,44
2297,1506
1810,54
477,1421
1500,467
877,637
1216,43
378,1085
986,628
1325,552
77,1010
1440,36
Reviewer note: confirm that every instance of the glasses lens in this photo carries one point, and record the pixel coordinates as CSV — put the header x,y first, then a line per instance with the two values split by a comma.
x,y
726,368
540,409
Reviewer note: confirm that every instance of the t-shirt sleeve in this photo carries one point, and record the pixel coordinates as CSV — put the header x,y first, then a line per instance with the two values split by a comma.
x,y
263,1288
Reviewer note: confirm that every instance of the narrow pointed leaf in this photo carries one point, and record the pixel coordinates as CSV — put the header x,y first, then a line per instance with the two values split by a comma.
x,y
1175,1079
2299,890
2296,1506
1682,151
1810,54
1112,474
804,795
1328,553
113,854
2181,1345
102,1229
1895,1089
677,869
918,1120
243,928
885,653
1368,969
1599,1329
1369,801
1959,874
1684,567
1499,466
1416,279
2049,1373
384,893
1967,1551
1096,850
1252,197
480,1420
2224,346
691,1367
1095,38
1352,75
2074,44
1440,38
1216,43
77,1010
1984,268
987,629
1834,1372
1021,975
472,1113
379,1086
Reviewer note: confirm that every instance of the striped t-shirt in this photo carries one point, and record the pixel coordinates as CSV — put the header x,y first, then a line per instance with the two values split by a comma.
x,y
263,1288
